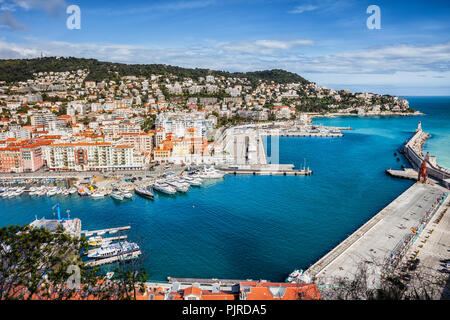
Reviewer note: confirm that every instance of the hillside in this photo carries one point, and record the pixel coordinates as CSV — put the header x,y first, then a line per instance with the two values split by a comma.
x,y
22,69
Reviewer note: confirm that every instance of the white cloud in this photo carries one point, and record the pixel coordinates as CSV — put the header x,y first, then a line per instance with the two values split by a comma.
x,y
399,65
9,22
301,9
52,7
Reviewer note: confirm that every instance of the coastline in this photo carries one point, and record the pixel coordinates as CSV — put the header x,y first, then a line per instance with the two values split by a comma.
x,y
380,114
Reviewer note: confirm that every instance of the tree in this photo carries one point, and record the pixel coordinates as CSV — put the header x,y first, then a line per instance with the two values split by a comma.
x,y
34,261
39,264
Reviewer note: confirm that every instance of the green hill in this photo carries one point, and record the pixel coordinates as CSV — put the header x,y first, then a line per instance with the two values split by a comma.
x,y
14,70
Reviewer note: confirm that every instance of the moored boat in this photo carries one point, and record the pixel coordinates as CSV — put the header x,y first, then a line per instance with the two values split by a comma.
x,y
144,192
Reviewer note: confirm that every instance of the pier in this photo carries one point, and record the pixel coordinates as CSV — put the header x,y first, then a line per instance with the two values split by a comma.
x,y
103,231
267,170
413,151
373,244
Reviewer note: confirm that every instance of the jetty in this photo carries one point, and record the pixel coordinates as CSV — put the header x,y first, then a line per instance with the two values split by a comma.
x,y
103,231
413,151
381,242
267,170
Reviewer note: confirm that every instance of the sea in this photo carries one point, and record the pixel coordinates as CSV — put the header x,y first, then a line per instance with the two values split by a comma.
x,y
264,227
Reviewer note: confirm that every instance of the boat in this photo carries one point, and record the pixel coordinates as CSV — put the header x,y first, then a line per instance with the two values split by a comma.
x,y
82,193
164,188
210,173
51,192
97,195
96,241
179,186
72,190
298,276
109,250
117,196
127,195
197,182
144,192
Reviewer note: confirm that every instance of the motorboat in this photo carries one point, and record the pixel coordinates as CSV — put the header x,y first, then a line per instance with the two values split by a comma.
x,y
164,188
97,195
117,196
127,195
51,192
144,192
210,173
197,182
109,250
179,186
72,190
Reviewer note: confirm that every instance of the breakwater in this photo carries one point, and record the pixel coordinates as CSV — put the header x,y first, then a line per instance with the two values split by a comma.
x,y
413,151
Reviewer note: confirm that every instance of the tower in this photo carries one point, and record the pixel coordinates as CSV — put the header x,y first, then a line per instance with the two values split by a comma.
x,y
423,169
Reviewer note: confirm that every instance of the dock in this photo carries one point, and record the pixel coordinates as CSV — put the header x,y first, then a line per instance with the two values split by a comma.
x,y
267,170
404,174
103,231
129,256
228,282
383,238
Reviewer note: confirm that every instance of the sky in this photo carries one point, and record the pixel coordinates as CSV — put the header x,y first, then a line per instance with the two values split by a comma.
x,y
325,41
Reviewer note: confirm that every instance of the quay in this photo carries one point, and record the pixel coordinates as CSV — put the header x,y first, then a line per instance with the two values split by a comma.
x,y
103,231
404,174
222,282
129,256
380,239
268,170
413,151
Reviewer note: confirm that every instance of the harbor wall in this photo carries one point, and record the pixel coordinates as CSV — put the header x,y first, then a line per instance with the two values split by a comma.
x,y
413,152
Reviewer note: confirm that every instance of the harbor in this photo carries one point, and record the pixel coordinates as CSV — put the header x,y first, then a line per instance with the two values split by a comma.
x,y
383,243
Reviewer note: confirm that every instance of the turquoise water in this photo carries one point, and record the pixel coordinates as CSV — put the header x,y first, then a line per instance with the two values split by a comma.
x,y
263,227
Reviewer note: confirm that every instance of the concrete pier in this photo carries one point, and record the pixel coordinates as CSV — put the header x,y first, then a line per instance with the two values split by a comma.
x,y
103,231
374,242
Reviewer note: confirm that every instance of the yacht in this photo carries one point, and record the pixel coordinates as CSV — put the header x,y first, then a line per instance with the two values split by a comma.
x,y
197,182
164,188
73,190
108,250
210,173
97,195
97,241
144,192
127,195
51,192
179,186
117,196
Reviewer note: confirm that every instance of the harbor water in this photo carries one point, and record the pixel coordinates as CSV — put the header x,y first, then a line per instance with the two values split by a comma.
x,y
263,227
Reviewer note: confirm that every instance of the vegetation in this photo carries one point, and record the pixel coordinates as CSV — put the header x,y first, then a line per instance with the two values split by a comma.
x,y
39,264
15,70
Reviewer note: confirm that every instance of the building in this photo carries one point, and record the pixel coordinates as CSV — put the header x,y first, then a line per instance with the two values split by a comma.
x,y
93,156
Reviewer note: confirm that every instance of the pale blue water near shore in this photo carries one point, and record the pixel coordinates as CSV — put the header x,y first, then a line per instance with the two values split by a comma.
x,y
264,227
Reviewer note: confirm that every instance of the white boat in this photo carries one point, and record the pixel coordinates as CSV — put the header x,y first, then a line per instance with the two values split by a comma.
x,y
179,186
197,182
51,192
164,188
113,250
127,195
97,195
210,173
117,196
73,190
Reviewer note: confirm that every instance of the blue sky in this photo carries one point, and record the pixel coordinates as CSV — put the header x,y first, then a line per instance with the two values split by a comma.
x,y
325,41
